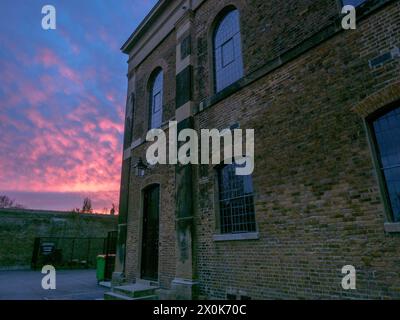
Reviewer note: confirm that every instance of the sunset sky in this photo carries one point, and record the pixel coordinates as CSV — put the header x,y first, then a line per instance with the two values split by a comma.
x,y
62,100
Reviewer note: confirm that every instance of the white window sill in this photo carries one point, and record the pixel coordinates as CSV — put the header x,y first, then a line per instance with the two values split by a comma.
x,y
392,227
236,236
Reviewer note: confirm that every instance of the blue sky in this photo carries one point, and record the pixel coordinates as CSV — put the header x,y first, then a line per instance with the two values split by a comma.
x,y
62,100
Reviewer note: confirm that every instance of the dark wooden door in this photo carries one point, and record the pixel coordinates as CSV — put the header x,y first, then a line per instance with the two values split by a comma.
x,y
111,250
149,270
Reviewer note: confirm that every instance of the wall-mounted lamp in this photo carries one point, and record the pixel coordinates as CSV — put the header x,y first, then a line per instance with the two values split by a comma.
x,y
140,168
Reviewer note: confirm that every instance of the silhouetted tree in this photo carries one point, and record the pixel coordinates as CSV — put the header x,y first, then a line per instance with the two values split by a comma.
x,y
112,211
7,203
87,206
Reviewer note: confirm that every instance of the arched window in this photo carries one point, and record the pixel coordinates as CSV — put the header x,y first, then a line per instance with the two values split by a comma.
x,y
236,201
386,130
228,61
156,100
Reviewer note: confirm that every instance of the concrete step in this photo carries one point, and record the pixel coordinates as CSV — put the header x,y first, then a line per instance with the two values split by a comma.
x,y
105,284
115,296
147,283
153,297
137,290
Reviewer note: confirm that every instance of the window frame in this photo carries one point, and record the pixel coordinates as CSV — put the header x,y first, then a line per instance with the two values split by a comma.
x,y
213,57
231,236
151,96
374,148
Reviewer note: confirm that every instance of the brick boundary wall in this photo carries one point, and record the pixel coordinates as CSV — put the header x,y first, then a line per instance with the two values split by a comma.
x,y
19,228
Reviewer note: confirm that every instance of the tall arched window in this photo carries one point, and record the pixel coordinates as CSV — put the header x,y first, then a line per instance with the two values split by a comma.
x,y
228,60
386,130
156,100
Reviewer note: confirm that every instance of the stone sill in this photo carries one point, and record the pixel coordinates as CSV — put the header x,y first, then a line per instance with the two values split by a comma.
x,y
237,236
392,227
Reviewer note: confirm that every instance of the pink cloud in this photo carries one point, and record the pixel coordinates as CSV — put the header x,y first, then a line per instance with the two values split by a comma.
x,y
63,128
48,59
106,124
110,97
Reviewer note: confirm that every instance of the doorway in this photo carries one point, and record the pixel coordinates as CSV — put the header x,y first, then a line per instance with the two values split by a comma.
x,y
150,234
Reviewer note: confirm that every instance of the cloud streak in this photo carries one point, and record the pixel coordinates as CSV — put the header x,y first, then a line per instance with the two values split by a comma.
x,y
62,96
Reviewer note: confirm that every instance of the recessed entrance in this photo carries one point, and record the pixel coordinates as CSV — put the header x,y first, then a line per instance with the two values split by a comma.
x,y
150,234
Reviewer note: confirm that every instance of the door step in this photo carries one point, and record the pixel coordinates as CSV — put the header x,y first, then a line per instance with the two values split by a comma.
x,y
138,291
147,283
115,296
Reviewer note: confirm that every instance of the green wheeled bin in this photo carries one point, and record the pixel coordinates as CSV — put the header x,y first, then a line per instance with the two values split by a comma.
x,y
101,267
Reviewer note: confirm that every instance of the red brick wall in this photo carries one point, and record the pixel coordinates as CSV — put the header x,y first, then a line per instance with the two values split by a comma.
x,y
268,29
165,177
318,205
163,56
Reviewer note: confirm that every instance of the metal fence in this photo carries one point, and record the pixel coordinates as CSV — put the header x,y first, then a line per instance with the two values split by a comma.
x,y
68,253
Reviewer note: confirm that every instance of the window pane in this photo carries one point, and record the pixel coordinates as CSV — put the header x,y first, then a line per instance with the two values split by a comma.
x,y
392,177
157,101
237,212
228,51
387,133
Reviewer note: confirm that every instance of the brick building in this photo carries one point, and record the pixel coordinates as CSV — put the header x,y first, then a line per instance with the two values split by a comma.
x,y
324,103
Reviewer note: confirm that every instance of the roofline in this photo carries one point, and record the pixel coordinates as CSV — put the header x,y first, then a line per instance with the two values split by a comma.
x,y
144,25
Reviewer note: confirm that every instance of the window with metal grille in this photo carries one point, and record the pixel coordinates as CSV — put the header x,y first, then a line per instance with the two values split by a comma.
x,y
386,130
236,201
228,60
156,100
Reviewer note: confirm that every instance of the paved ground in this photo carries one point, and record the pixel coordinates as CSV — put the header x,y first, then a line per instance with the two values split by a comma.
x,y
71,285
